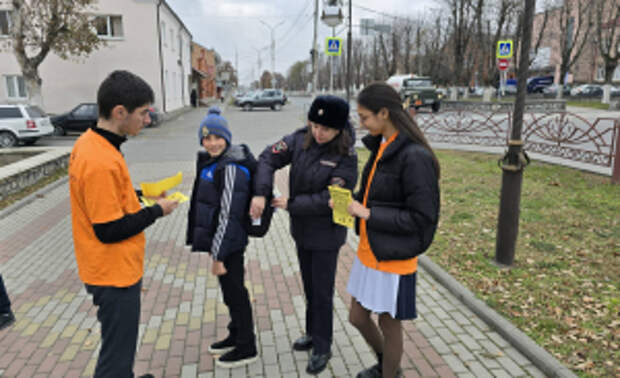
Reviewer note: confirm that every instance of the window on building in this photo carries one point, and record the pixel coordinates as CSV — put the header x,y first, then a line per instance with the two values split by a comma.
x,y
600,73
616,76
163,33
172,39
109,26
15,86
5,22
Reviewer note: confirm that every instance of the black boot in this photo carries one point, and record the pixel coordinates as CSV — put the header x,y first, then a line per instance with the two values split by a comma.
x,y
318,363
303,343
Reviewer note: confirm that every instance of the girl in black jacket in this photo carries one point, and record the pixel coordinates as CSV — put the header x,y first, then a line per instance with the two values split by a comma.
x,y
216,224
320,155
396,210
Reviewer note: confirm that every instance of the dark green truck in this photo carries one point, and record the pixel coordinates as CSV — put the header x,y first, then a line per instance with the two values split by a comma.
x,y
420,92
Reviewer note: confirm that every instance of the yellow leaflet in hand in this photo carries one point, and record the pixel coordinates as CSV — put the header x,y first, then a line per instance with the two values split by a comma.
x,y
154,189
176,196
342,198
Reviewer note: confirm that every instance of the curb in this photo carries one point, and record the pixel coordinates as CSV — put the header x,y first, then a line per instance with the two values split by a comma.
x,y
526,346
32,196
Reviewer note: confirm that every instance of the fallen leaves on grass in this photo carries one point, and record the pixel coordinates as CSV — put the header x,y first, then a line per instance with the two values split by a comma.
x,y
563,289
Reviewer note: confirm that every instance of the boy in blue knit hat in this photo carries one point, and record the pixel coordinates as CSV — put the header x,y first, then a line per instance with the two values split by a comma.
x,y
216,225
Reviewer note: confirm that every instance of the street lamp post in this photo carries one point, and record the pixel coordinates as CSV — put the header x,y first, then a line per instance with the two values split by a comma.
x,y
349,42
273,48
314,52
332,17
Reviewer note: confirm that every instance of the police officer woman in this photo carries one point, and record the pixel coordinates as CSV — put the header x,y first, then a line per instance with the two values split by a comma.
x,y
320,155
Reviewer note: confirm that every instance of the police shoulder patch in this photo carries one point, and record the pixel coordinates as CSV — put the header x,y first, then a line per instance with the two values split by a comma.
x,y
278,147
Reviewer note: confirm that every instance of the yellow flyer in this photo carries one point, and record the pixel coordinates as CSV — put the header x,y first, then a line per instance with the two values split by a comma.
x,y
342,198
154,189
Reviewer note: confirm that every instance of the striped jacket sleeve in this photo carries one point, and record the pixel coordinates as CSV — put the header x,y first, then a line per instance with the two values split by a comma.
x,y
225,208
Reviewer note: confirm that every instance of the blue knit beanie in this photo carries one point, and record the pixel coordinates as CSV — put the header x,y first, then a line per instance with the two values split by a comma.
x,y
215,124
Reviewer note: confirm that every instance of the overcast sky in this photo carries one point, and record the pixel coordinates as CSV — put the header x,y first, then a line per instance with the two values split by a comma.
x,y
235,25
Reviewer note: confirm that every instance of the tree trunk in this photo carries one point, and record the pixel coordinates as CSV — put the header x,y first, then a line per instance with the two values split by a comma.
x,y
606,93
33,86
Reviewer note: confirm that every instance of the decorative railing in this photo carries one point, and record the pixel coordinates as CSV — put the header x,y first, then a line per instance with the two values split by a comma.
x,y
560,134
531,106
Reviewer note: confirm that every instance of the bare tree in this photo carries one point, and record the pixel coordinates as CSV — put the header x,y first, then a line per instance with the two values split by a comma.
x,y
376,69
575,22
389,54
492,24
407,30
607,14
357,61
436,51
461,22
42,26
265,80
298,78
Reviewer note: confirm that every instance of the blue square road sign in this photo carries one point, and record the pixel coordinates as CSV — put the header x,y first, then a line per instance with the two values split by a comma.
x,y
333,46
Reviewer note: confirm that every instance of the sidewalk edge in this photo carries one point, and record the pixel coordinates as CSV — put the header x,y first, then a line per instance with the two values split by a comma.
x,y
542,359
32,196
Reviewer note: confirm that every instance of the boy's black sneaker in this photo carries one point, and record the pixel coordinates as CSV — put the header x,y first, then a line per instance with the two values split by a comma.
x,y
222,346
6,319
237,357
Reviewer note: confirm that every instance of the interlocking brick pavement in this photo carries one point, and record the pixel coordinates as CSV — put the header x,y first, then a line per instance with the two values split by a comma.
x,y
57,334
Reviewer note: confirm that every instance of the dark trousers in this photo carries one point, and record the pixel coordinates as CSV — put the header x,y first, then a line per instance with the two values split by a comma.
x,y
119,315
237,299
318,272
5,303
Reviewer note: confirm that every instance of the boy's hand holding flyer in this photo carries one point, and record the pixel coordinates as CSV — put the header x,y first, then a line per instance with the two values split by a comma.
x,y
154,189
342,198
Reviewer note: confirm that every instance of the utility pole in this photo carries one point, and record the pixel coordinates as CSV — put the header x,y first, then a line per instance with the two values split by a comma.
x,y
331,67
515,159
258,62
314,51
349,42
273,44
237,64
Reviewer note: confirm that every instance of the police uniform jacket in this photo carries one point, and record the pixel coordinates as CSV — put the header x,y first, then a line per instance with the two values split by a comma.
x,y
312,171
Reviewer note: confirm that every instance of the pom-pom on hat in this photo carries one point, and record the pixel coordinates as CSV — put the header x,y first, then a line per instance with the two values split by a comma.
x,y
330,111
215,124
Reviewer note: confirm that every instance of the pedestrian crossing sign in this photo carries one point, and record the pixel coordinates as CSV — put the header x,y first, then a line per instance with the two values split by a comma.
x,y
333,46
504,49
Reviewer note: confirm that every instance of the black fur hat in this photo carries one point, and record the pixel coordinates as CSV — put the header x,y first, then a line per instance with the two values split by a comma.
x,y
330,111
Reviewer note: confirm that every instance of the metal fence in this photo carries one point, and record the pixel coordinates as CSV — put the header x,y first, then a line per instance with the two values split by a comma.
x,y
559,134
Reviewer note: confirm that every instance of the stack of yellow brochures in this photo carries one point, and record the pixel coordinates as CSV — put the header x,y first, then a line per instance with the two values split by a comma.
x,y
154,189
342,198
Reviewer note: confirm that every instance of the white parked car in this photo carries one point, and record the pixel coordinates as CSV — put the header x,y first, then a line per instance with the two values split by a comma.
x,y
23,124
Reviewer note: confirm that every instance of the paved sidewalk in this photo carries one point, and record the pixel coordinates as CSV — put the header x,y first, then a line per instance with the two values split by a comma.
x,y
57,333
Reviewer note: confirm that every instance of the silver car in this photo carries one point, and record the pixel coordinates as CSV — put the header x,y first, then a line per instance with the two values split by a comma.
x,y
23,124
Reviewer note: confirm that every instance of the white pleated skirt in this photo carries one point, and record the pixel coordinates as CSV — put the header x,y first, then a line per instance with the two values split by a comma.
x,y
383,292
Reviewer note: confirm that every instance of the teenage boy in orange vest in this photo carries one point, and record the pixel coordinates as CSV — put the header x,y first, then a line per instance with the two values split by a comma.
x,y
108,221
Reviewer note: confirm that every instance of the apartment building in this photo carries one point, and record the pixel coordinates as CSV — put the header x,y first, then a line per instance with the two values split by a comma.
x,y
589,66
145,37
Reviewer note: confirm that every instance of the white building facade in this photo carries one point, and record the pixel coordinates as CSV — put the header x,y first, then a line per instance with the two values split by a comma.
x,y
145,37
